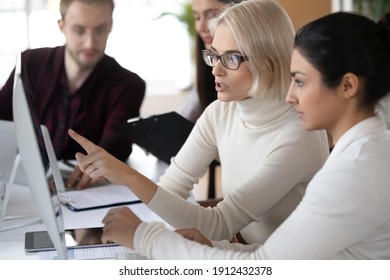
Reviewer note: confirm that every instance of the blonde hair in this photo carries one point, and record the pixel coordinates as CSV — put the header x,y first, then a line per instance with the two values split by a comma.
x,y
265,34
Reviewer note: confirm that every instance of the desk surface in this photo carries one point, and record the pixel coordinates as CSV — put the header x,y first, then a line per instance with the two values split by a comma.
x,y
21,209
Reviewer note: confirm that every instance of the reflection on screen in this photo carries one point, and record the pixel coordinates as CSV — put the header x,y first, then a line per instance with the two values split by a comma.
x,y
83,237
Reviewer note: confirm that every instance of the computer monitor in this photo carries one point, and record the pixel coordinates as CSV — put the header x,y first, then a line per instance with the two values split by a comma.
x,y
36,154
8,148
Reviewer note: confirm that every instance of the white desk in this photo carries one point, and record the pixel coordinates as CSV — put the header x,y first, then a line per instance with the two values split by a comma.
x,y
22,209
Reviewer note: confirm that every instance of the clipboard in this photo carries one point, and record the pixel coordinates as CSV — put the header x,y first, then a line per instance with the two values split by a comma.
x,y
98,197
161,135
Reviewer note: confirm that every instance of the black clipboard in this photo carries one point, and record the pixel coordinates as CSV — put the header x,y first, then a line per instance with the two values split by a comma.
x,y
161,135
77,209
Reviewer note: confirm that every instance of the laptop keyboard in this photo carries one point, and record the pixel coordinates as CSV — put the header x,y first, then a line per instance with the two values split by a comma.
x,y
130,256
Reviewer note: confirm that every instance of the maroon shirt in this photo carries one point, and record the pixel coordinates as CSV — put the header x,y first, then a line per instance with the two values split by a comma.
x,y
110,95
65,110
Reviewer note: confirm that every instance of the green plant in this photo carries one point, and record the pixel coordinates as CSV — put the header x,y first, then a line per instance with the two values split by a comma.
x,y
186,16
374,9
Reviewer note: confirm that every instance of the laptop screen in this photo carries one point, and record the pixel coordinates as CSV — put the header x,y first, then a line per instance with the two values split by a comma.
x,y
36,158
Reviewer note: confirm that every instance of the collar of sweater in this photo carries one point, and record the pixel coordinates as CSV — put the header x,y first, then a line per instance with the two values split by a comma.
x,y
256,112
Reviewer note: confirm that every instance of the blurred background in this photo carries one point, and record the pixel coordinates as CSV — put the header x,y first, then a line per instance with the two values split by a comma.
x,y
149,37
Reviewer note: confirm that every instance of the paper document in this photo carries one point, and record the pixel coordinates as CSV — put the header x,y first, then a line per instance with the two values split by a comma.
x,y
98,197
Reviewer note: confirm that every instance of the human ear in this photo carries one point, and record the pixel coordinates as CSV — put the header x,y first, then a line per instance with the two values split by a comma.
x,y
350,85
61,25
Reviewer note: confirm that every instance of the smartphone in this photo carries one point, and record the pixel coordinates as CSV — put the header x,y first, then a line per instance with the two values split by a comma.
x,y
74,238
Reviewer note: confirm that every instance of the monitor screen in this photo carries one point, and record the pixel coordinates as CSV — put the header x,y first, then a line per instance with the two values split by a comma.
x,y
36,158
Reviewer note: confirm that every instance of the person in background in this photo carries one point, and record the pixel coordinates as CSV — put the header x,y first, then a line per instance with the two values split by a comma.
x,y
267,158
340,72
78,86
204,92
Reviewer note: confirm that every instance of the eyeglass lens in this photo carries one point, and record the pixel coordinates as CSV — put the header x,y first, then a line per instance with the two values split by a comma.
x,y
229,60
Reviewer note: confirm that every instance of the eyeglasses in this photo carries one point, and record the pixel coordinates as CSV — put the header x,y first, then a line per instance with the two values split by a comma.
x,y
230,60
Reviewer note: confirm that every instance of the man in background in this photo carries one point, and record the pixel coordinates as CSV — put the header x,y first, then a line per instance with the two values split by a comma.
x,y
78,86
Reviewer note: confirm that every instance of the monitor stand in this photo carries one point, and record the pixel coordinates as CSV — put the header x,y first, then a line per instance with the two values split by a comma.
x,y
8,190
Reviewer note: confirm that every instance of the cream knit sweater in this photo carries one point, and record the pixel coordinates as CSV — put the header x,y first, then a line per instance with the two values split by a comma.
x,y
267,160
345,213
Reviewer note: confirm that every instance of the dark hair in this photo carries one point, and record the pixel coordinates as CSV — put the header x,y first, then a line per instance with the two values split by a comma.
x,y
205,80
345,42
64,4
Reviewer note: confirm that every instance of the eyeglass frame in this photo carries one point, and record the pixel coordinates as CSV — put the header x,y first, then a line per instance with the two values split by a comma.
x,y
242,58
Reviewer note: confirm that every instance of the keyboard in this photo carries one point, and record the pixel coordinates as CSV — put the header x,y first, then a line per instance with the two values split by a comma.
x,y
130,256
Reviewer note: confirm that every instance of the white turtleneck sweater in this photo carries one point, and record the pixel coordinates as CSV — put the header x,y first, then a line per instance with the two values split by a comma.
x,y
345,213
267,160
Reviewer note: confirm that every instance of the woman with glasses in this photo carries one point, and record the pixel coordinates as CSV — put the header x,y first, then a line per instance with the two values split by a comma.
x,y
267,158
340,71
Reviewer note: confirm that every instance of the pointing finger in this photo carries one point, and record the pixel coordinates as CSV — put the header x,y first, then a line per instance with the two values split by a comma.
x,y
84,142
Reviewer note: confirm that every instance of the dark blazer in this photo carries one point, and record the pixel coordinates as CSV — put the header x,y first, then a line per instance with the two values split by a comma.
x,y
113,95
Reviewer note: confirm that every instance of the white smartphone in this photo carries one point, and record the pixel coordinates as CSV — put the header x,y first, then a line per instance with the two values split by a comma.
x,y
75,238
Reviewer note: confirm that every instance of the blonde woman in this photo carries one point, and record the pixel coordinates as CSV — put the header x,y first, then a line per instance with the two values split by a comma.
x,y
339,77
267,158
